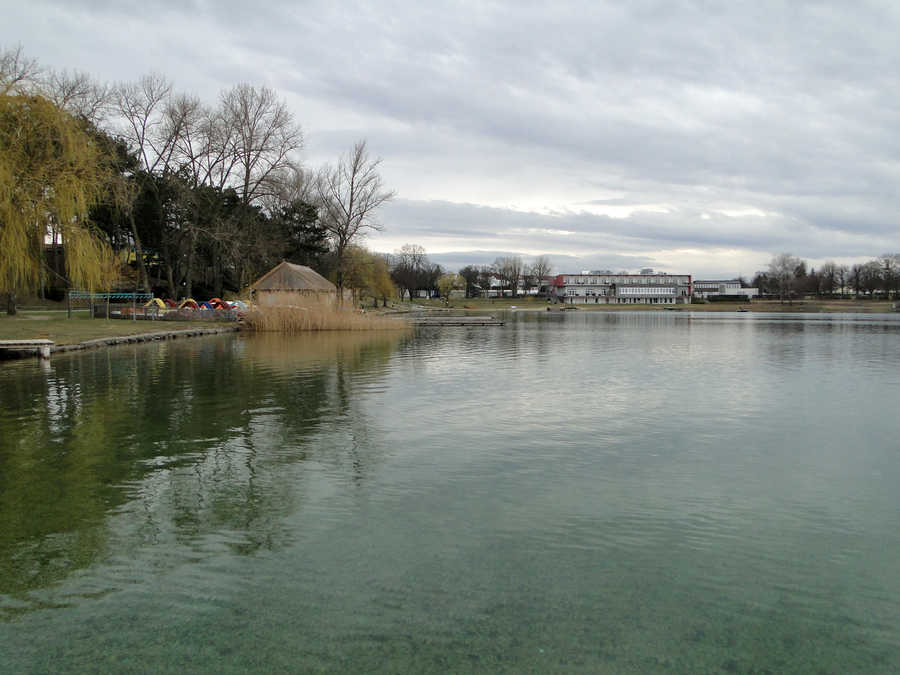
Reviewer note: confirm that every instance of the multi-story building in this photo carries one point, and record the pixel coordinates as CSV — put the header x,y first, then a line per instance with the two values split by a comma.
x,y
622,289
704,288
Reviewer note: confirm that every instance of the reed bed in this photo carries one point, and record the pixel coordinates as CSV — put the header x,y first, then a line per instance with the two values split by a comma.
x,y
316,316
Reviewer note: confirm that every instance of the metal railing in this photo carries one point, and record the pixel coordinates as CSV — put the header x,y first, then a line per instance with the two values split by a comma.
x,y
119,297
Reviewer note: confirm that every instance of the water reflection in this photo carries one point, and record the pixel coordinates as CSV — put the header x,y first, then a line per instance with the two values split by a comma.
x,y
118,449
590,492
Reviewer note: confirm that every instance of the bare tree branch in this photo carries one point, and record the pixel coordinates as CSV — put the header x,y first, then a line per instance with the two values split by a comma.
x,y
142,105
349,195
79,94
18,73
264,136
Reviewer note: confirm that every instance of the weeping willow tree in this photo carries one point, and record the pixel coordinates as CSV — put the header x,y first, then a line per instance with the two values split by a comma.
x,y
51,173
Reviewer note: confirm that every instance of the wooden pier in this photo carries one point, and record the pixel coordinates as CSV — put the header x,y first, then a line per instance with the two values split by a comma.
x,y
44,348
455,321
39,347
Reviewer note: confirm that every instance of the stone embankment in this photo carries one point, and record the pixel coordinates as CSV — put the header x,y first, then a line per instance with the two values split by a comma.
x,y
143,337
19,348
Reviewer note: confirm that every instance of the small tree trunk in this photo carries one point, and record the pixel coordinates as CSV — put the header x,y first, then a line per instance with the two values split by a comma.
x,y
139,256
11,303
170,280
189,271
218,274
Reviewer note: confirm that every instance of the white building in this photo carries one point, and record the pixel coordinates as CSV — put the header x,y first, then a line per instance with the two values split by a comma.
x,y
494,287
622,289
499,289
704,288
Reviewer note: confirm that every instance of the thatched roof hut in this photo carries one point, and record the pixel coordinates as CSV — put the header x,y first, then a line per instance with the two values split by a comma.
x,y
285,283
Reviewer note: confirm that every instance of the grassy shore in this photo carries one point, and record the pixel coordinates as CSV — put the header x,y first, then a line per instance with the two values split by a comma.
x,y
538,304
53,325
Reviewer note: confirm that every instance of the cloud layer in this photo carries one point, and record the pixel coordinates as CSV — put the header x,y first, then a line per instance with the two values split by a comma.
x,y
696,137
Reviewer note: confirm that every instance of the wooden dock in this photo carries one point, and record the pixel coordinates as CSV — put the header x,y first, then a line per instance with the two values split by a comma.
x,y
455,321
39,347
44,348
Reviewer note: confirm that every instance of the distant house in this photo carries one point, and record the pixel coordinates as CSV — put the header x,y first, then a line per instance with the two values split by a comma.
x,y
497,287
290,284
725,289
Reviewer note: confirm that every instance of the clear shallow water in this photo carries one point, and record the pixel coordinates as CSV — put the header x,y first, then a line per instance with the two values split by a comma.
x,y
581,492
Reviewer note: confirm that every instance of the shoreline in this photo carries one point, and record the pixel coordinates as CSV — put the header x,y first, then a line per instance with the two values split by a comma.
x,y
758,306
13,354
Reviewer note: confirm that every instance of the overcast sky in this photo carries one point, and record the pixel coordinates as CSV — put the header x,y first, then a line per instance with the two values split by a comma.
x,y
697,137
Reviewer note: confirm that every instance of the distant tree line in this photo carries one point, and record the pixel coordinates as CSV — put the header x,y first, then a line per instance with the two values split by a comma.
x,y
788,276
186,197
412,271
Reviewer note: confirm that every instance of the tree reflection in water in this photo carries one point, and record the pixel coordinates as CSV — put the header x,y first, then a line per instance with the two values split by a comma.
x,y
184,446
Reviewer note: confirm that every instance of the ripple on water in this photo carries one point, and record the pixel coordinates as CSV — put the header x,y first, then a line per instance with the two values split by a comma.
x,y
623,492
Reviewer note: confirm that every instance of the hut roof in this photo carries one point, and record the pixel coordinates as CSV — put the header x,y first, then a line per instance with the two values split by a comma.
x,y
287,276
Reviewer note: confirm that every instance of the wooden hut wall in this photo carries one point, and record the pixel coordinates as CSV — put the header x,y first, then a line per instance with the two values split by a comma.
x,y
278,298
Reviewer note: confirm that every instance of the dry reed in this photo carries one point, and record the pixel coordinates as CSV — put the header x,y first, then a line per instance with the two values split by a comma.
x,y
314,316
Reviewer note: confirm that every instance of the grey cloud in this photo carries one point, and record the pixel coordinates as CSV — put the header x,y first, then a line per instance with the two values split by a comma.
x,y
424,221
788,108
456,260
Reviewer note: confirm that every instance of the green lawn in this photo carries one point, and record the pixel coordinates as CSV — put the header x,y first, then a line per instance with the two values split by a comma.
x,y
55,326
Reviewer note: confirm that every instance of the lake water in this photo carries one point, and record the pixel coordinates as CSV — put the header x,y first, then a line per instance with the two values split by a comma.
x,y
578,492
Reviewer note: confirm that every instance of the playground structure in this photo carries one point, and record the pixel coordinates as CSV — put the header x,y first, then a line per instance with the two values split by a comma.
x,y
141,306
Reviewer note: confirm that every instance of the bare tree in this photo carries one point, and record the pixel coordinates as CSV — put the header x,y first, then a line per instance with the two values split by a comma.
x,y
890,273
185,121
408,269
142,106
79,94
855,279
828,277
349,195
485,277
75,92
433,272
264,136
783,269
872,276
17,72
842,275
540,269
541,266
295,184
470,274
510,271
